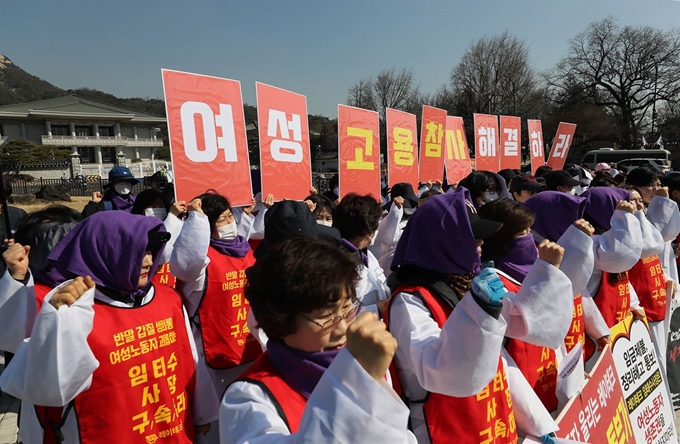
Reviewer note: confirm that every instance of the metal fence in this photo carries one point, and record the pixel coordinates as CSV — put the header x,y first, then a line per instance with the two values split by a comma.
x,y
81,187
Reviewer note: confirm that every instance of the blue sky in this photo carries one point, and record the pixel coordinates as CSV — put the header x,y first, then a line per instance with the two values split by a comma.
x,y
317,48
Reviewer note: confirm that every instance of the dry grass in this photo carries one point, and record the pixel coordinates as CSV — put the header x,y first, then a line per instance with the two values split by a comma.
x,y
77,203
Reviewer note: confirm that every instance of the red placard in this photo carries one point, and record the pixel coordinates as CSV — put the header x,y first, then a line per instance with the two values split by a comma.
x,y
402,160
285,161
486,143
207,131
561,145
359,146
432,130
510,136
599,413
536,144
457,160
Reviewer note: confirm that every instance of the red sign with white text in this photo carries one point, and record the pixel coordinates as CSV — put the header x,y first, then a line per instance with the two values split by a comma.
x,y
207,132
536,144
561,145
432,130
510,136
457,160
487,156
286,164
402,157
359,151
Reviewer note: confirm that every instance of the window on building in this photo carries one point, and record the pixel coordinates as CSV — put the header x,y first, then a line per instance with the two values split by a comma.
x,y
60,130
87,154
108,154
106,131
83,131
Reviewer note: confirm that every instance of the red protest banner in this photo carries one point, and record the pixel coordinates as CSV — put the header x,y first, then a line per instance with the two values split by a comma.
x,y
486,143
599,413
510,136
457,160
207,132
561,145
431,144
285,160
402,160
536,144
359,151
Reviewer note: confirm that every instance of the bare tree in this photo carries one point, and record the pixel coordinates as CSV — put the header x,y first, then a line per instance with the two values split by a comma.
x,y
494,76
626,71
391,88
361,94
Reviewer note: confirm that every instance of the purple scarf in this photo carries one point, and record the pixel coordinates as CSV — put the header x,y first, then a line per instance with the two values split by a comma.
x,y
349,246
119,202
109,246
301,370
555,213
520,257
238,247
602,203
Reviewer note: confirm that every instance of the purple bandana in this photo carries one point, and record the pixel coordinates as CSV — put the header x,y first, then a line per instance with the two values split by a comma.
x,y
520,257
439,237
109,246
353,249
301,370
555,213
602,203
238,247
119,202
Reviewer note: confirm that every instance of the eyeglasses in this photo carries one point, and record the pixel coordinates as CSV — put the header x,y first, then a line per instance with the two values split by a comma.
x,y
655,185
349,317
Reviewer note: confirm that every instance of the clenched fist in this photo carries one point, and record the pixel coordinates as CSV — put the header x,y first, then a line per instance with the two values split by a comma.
x,y
551,253
626,206
585,226
661,191
70,293
371,344
196,205
16,258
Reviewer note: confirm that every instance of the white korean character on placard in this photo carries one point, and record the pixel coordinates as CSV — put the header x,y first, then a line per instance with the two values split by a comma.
x,y
487,141
510,143
210,122
536,144
287,146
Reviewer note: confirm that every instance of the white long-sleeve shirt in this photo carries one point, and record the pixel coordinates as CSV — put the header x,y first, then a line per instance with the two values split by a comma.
x,y
461,358
56,364
17,311
664,215
389,232
347,406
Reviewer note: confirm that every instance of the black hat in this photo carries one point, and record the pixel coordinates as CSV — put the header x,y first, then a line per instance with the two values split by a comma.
x,y
482,228
527,182
292,218
156,238
405,190
560,178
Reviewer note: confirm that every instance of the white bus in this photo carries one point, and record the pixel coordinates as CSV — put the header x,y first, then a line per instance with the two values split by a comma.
x,y
609,155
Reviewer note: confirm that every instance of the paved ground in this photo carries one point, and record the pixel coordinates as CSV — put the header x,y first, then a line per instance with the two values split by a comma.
x,y
9,408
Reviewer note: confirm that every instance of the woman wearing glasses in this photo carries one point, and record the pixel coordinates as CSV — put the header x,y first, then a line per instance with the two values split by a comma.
x,y
322,376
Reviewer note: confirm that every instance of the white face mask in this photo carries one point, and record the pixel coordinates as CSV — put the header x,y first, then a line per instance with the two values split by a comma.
x,y
123,188
573,192
227,232
373,238
325,223
160,213
336,190
490,197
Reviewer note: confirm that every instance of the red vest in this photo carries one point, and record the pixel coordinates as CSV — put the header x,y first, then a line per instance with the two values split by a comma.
x,y
40,293
254,243
577,330
223,312
613,297
164,276
144,386
537,364
290,405
486,417
648,280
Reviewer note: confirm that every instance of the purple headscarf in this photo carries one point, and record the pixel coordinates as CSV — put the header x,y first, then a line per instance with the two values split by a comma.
x,y
555,213
602,203
109,246
237,247
122,203
439,237
520,257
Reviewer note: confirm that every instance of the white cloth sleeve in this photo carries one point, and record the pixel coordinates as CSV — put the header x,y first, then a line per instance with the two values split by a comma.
x,y
257,231
595,325
652,242
17,311
664,215
634,299
56,363
578,260
541,311
190,254
347,406
389,226
618,249
439,359
244,222
173,226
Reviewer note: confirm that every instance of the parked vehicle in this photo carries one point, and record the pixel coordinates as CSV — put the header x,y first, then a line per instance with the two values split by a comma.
x,y
631,164
609,155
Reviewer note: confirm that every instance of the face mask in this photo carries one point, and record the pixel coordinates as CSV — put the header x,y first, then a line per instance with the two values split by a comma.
x,y
227,232
373,238
123,188
573,192
324,223
490,197
160,213
336,190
